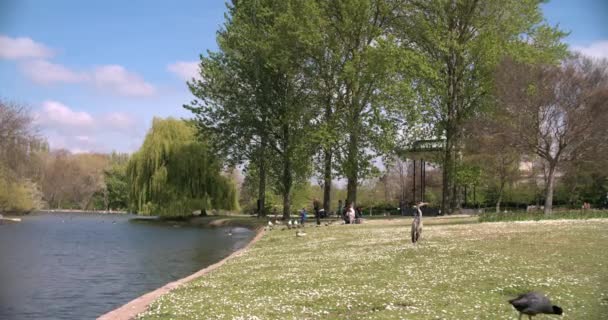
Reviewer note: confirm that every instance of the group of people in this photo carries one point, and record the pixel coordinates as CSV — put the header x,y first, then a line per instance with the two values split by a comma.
x,y
349,214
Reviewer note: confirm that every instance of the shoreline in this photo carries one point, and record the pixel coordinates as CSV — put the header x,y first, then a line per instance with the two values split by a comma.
x,y
140,304
206,221
81,211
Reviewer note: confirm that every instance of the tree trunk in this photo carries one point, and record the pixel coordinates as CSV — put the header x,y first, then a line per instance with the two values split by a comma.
x,y
262,184
448,165
352,172
287,183
499,197
550,187
287,177
327,174
327,180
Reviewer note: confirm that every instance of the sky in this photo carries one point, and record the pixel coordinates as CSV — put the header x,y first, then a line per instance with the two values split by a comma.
x,y
95,73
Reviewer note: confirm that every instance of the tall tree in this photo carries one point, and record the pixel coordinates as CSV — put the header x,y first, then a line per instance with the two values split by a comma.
x,y
253,92
174,174
359,66
234,93
488,147
461,42
555,112
116,189
21,151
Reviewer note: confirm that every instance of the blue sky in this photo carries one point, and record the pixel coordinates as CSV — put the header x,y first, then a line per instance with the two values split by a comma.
x,y
96,72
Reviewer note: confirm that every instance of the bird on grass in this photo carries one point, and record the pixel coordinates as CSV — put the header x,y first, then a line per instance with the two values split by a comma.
x,y
269,226
300,233
417,223
533,303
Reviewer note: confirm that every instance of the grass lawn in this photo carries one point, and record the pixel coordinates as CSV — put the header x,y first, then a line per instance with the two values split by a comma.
x,y
460,270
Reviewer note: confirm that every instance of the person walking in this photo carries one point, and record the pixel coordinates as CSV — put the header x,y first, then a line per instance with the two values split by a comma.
x,y
303,216
317,205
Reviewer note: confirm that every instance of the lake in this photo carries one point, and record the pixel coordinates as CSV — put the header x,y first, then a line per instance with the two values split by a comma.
x,y
82,265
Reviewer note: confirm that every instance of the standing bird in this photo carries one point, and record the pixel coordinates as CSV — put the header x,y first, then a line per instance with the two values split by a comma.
x,y
533,303
417,223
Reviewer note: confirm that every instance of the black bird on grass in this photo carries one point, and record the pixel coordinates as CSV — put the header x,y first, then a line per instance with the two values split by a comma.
x,y
533,303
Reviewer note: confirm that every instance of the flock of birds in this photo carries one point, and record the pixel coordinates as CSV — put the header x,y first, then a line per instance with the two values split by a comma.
x,y
530,304
290,224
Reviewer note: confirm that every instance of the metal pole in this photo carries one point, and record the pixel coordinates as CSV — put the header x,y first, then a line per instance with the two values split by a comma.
x,y
414,182
422,180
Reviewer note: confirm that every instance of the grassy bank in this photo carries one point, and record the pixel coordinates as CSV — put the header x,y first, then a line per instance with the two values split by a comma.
x,y
461,270
539,215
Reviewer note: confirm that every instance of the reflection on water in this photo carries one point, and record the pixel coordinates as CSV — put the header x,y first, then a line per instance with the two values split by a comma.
x,y
79,266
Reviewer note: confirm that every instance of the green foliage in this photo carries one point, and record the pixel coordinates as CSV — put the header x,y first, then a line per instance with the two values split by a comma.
x,y
21,151
539,215
173,174
459,46
16,196
117,187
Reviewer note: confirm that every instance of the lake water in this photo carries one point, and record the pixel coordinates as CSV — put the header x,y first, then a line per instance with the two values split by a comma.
x,y
80,266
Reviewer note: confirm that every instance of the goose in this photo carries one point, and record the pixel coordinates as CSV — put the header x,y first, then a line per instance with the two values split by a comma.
x,y
533,303
289,224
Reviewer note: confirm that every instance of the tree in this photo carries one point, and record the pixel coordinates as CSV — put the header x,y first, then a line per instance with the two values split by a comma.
x,y
173,174
116,189
20,155
359,73
252,93
460,42
492,151
555,112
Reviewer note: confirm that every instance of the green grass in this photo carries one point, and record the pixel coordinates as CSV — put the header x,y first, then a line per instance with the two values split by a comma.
x,y
461,270
539,215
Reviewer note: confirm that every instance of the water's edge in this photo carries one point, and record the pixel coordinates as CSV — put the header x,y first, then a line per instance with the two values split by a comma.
x,y
140,304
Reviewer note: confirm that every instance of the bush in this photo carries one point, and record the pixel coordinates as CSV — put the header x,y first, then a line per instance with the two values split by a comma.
x,y
17,197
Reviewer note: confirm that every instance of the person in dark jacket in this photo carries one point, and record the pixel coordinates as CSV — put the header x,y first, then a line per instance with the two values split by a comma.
x,y
317,205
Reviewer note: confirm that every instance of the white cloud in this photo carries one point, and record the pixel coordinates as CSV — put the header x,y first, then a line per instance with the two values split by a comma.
x,y
598,49
118,120
44,72
186,70
83,138
117,79
79,131
59,116
111,78
22,48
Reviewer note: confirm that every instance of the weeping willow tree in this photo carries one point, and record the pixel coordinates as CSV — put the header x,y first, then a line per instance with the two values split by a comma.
x,y
173,173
